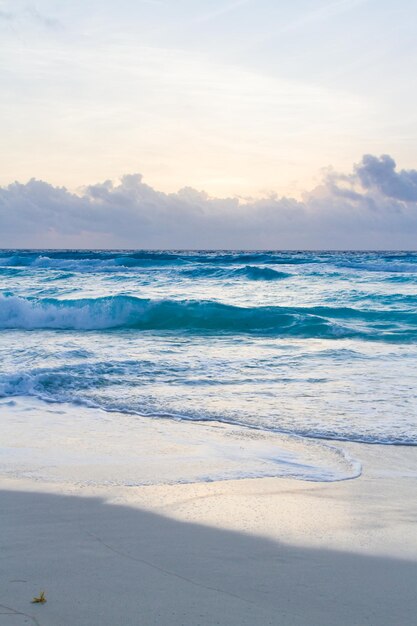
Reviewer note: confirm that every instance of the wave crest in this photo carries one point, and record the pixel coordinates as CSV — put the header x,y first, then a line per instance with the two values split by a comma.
x,y
117,312
249,272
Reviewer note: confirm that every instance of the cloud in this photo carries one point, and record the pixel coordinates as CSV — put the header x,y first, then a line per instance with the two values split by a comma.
x,y
6,15
44,20
380,174
31,12
373,207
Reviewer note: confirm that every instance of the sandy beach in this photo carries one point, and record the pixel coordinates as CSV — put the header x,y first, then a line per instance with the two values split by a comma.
x,y
208,438
261,551
208,313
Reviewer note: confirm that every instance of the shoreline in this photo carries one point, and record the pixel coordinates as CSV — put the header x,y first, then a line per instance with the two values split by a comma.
x,y
63,443
250,551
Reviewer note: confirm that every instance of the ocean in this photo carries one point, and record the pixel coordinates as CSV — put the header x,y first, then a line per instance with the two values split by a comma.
x,y
279,357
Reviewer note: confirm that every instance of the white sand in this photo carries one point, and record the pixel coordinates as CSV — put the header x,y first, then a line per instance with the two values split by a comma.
x,y
247,552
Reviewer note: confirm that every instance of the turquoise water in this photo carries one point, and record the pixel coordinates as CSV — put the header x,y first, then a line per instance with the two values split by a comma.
x,y
319,345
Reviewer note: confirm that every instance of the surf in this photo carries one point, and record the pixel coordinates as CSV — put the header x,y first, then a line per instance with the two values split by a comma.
x,y
130,312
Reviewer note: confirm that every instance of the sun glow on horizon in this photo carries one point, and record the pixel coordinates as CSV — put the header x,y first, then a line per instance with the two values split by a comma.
x,y
236,99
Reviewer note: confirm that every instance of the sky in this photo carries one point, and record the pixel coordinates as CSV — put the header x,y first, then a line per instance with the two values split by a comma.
x,y
229,107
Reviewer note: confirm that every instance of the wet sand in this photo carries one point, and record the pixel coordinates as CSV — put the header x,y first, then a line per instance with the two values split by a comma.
x,y
246,552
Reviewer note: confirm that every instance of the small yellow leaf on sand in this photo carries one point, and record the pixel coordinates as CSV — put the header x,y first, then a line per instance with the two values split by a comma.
x,y
40,599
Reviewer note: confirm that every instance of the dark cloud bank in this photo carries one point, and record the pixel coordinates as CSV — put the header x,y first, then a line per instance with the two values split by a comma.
x,y
374,207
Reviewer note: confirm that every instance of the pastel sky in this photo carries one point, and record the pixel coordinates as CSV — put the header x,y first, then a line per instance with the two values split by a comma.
x,y
238,97
253,124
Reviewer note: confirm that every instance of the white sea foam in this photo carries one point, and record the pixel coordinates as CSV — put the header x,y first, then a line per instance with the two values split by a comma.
x,y
122,311
274,343
78,445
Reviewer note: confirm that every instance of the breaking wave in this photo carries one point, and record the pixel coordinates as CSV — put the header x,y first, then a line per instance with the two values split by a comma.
x,y
249,272
119,312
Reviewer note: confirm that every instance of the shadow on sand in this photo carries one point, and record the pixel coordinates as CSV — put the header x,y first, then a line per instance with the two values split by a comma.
x,y
111,565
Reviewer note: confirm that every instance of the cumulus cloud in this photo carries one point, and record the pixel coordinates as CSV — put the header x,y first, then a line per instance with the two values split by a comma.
x,y
380,174
373,207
